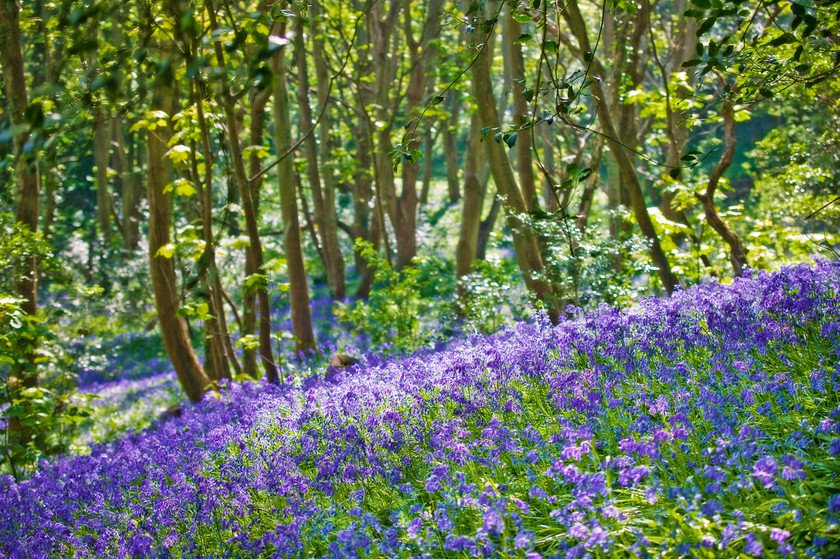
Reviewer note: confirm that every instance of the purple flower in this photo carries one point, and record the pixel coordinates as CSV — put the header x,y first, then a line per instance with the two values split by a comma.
x,y
834,503
432,483
792,469
578,531
523,539
834,447
752,545
765,470
414,528
493,522
779,536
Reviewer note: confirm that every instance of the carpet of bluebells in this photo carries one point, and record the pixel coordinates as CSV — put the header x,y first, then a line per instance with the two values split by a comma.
x,y
704,425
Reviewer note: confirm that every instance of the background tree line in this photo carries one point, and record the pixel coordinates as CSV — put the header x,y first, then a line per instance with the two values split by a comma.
x,y
196,165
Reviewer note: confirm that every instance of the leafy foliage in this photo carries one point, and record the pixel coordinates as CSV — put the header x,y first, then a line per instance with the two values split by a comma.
x,y
405,307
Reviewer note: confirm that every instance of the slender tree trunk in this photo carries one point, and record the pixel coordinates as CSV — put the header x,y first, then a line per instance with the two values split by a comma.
x,y
298,289
573,17
364,225
488,224
216,324
162,269
428,166
737,250
450,147
591,183
325,218
22,375
473,202
123,156
527,250
255,250
26,171
524,161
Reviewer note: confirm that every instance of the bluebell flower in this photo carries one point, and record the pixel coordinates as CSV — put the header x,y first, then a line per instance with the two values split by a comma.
x,y
765,471
752,545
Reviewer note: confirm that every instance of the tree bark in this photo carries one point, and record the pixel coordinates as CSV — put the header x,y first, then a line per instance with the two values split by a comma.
x,y
527,251
26,170
298,288
218,367
255,250
524,160
737,250
571,13
173,328
323,201
450,147
588,194
467,248
101,157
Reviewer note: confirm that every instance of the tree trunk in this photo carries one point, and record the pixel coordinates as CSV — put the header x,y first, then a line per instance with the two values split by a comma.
x,y
473,202
125,155
255,250
591,183
325,218
573,17
737,250
21,375
162,269
298,289
216,324
26,171
450,147
524,160
488,224
527,251
428,166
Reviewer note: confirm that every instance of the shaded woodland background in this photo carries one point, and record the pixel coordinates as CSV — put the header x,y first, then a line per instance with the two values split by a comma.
x,y
246,187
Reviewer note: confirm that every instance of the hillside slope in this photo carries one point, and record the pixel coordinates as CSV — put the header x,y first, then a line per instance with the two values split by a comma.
x,y
707,424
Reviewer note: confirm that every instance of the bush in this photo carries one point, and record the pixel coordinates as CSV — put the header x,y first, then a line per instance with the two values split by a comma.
x,y
405,307
40,409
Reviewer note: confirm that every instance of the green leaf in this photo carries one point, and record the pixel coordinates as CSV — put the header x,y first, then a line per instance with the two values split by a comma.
x,y
510,140
550,46
179,153
166,251
181,187
783,39
706,26
523,38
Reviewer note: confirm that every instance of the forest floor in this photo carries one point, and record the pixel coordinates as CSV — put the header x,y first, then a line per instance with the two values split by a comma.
x,y
706,424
